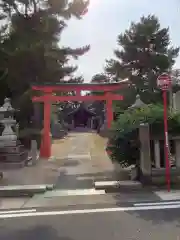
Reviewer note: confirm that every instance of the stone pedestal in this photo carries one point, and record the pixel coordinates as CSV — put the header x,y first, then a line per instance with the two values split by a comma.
x,y
145,156
13,156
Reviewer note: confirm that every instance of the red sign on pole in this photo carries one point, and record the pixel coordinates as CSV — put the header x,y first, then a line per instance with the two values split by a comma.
x,y
164,83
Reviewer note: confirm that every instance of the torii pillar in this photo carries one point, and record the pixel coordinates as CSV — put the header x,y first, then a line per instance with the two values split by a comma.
x,y
45,149
109,109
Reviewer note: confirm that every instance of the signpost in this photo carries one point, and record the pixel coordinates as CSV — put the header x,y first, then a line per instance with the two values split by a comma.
x,y
164,83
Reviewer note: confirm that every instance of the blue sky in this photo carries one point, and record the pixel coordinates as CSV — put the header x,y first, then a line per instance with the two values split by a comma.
x,y
108,18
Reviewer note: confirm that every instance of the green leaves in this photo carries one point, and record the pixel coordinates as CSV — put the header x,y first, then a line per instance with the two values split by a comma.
x,y
124,140
144,52
30,49
78,8
33,41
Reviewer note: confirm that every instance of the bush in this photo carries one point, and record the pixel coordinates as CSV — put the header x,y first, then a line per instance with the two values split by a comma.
x,y
28,134
124,143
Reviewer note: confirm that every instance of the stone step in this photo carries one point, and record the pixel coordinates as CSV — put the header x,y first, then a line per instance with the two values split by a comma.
x,y
120,185
11,158
13,153
23,190
14,149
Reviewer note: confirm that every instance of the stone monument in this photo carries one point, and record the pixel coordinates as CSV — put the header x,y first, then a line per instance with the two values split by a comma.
x,y
12,153
145,154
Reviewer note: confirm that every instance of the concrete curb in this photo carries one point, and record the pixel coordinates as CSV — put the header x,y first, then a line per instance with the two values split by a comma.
x,y
131,186
24,190
118,185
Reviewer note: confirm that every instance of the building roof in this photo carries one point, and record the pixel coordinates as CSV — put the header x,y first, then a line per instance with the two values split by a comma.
x,y
84,108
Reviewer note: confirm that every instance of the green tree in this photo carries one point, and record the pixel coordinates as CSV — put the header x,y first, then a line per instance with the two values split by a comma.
x,y
4,88
100,78
32,44
99,106
144,53
35,54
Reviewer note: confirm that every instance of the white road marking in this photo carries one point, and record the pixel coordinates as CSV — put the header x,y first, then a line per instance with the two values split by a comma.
x,y
88,211
79,192
17,211
157,203
78,156
172,195
106,183
85,178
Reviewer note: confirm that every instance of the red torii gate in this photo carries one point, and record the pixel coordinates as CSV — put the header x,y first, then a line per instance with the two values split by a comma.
x,y
48,97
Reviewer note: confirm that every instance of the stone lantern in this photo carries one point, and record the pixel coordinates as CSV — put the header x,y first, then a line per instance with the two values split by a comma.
x,y
138,103
12,153
8,136
137,168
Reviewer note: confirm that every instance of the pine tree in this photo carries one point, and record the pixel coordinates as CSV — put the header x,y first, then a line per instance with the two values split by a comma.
x,y
100,78
144,52
34,50
99,106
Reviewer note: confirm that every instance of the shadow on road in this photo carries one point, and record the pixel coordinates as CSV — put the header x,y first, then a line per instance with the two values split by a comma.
x,y
41,232
81,181
158,216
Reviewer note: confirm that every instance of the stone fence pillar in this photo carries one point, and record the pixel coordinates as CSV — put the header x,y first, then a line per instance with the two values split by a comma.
x,y
145,155
157,154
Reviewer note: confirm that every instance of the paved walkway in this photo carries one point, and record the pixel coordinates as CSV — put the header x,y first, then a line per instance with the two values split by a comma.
x,y
79,159
82,159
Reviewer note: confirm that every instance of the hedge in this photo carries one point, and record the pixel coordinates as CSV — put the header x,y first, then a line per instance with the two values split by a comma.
x,y
123,144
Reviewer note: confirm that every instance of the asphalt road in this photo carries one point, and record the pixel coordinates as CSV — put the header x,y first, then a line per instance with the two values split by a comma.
x,y
162,224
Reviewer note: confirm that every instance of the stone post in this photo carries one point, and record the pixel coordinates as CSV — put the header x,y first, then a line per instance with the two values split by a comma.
x,y
37,115
73,124
34,150
177,152
145,155
157,154
91,123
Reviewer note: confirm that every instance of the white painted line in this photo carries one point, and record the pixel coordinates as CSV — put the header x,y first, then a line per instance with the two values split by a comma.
x,y
79,192
76,156
17,211
157,203
172,195
85,178
88,211
106,183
